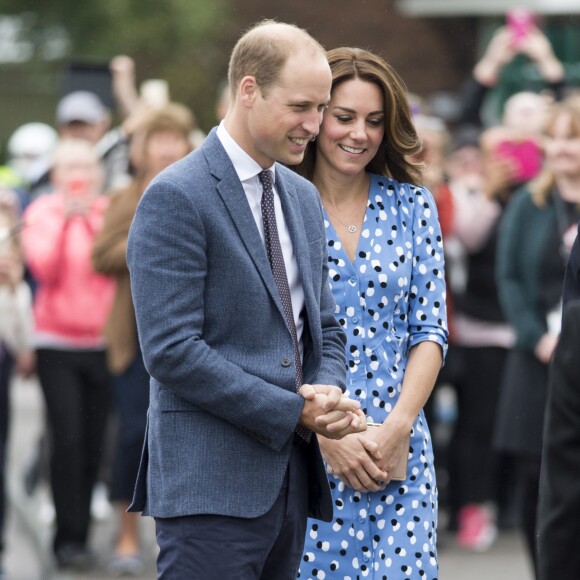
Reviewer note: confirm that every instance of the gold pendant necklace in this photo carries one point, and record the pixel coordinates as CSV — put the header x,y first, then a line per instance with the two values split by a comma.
x,y
351,228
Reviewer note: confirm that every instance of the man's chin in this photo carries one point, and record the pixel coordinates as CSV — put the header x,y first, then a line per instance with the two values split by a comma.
x,y
293,158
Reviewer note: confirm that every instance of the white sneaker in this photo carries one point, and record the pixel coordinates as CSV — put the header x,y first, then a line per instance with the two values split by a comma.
x,y
46,511
101,508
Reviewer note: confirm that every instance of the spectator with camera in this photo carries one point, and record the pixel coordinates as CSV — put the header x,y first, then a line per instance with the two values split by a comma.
x,y
71,305
503,47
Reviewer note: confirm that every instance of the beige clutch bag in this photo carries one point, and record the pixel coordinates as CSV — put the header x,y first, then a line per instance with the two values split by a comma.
x,y
400,471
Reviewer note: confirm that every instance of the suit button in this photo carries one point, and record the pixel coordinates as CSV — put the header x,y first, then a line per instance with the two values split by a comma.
x,y
286,362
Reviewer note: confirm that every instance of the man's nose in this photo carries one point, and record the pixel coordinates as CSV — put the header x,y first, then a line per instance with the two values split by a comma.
x,y
312,122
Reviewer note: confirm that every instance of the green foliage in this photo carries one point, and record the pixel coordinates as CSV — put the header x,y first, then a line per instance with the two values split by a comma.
x,y
178,40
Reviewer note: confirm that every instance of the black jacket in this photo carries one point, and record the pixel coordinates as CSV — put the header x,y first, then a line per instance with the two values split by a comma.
x,y
559,507
571,290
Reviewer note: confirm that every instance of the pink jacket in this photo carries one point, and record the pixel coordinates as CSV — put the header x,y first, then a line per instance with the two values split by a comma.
x,y
72,301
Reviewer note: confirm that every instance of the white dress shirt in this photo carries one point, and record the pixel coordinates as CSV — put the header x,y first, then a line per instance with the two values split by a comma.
x,y
247,170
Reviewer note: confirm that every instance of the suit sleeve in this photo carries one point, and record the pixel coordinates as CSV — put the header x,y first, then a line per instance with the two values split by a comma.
x,y
559,508
167,262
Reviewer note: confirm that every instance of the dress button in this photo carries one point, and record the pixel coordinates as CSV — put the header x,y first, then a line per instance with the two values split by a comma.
x,y
352,279
286,362
355,319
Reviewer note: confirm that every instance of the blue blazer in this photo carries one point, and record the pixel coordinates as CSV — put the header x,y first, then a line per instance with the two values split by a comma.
x,y
223,402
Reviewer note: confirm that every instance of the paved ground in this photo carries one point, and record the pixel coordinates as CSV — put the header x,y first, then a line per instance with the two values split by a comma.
x,y
28,535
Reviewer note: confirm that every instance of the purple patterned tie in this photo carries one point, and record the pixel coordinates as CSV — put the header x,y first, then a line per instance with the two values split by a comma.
x,y
280,277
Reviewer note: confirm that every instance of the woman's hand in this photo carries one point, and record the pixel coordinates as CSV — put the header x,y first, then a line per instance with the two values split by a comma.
x,y
390,439
353,459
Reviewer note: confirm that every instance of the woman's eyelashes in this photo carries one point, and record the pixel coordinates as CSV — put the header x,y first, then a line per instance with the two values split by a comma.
x,y
372,122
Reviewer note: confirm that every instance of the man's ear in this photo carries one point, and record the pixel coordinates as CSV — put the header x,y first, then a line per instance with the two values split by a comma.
x,y
248,91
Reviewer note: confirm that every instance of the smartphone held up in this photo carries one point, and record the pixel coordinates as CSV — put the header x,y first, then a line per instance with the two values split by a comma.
x,y
520,21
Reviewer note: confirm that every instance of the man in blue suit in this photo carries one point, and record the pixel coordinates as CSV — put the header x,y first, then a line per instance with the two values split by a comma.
x,y
228,264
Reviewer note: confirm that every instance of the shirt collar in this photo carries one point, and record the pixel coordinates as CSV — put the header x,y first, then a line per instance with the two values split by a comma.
x,y
245,167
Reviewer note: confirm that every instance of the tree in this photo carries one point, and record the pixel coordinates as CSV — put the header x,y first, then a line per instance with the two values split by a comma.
x,y
178,40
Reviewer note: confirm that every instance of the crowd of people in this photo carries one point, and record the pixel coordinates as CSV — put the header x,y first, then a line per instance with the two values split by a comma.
x,y
67,200
269,314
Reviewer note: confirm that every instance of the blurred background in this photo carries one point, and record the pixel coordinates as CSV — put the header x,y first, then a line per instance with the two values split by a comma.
x,y
50,46
178,50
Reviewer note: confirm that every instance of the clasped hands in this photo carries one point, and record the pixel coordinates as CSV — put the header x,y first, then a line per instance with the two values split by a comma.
x,y
364,461
329,413
361,460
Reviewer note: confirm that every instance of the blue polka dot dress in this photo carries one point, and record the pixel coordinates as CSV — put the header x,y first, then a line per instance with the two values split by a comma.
x,y
389,299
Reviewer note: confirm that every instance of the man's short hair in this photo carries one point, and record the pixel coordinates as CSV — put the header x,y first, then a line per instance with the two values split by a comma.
x,y
263,51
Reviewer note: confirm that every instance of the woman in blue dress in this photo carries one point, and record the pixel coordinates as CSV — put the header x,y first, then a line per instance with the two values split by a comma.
x,y
386,271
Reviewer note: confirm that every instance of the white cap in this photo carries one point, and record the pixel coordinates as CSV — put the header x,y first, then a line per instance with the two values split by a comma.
x,y
29,150
32,139
80,106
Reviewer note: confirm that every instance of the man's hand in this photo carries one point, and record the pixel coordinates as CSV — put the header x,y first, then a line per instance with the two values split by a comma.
x,y
329,413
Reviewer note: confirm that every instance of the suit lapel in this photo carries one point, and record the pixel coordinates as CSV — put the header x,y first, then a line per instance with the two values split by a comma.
x,y
234,198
